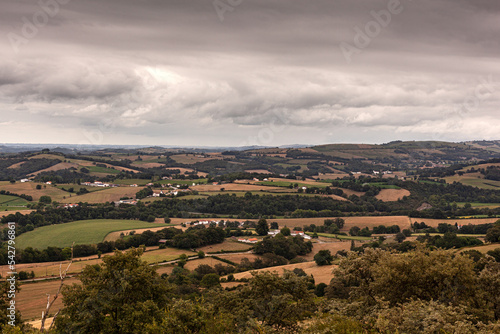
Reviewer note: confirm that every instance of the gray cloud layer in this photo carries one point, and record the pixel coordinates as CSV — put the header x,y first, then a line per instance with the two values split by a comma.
x,y
270,73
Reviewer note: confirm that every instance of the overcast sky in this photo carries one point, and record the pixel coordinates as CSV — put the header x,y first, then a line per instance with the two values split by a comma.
x,y
248,72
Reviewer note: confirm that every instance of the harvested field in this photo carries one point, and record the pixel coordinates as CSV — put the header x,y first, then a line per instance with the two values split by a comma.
x,y
193,264
483,248
6,213
350,192
435,222
181,169
336,197
29,188
59,166
106,195
50,269
234,187
122,168
227,245
402,221
330,176
391,195
164,255
79,162
321,274
32,299
238,257
16,165
165,269
148,164
47,156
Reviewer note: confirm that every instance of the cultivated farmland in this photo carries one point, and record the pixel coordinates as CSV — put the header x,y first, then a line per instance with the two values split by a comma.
x,y
321,274
388,195
29,188
435,222
80,232
105,195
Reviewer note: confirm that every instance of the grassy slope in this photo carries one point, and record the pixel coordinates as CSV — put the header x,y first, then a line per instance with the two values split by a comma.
x,y
80,232
105,195
29,188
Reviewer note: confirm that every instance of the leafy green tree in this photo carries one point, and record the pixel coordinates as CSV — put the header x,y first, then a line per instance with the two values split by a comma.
x,y
45,199
320,289
121,295
427,275
418,316
210,281
333,323
274,226
285,231
183,258
188,316
400,237
354,231
323,257
495,253
493,234
280,302
407,232
262,227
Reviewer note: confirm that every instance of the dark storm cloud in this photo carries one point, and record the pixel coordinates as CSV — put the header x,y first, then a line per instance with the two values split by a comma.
x,y
166,71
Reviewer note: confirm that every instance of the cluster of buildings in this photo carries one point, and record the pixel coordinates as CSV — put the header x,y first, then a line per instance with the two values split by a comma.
x,y
249,241
99,184
126,201
206,222
72,205
273,233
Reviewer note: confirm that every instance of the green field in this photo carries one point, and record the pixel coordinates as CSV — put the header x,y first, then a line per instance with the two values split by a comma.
x,y
480,205
80,232
95,169
7,201
474,182
383,185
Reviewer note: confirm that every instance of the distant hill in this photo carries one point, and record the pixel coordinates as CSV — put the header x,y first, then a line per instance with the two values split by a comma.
x,y
489,145
409,151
